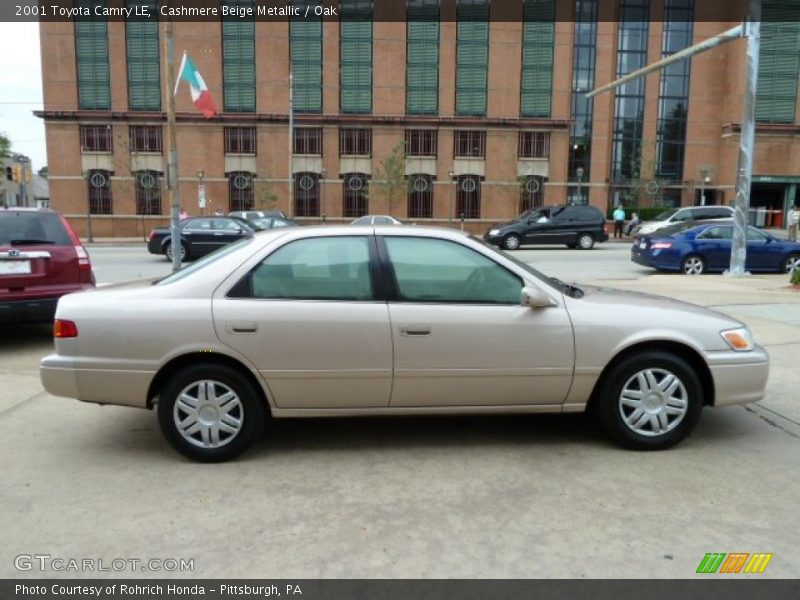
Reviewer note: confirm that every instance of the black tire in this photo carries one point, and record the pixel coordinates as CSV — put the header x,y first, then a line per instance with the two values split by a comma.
x,y
611,411
250,411
168,252
585,241
790,263
512,241
694,264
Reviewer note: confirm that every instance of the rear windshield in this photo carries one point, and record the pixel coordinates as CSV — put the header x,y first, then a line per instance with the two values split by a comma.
x,y
665,215
32,228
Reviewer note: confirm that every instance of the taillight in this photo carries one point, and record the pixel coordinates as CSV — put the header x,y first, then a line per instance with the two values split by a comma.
x,y
64,329
152,234
662,245
84,263
605,228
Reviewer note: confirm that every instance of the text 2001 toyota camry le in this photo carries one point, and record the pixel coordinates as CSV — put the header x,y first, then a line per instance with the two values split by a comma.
x,y
314,322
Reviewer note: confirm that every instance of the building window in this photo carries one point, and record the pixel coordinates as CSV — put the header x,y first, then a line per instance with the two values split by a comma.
x,y
308,140
355,194
538,36
532,193
240,190
673,99
582,108
470,144
420,197
422,57
468,197
91,59
355,142
355,57
472,57
306,53
421,142
629,99
240,140
144,58
239,59
96,138
99,192
148,192
145,138
534,144
306,194
779,61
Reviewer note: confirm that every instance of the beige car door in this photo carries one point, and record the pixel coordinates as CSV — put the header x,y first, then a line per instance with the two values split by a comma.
x,y
461,337
306,318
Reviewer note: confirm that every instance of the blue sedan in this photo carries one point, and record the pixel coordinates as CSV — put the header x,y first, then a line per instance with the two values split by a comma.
x,y
707,248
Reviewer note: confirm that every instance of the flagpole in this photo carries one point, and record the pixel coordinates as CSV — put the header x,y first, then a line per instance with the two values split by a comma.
x,y
172,156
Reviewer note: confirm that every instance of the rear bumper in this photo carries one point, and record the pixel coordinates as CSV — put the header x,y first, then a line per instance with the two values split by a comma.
x,y
739,377
38,310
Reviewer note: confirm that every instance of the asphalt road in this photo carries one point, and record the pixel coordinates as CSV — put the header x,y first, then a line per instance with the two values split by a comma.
x,y
533,496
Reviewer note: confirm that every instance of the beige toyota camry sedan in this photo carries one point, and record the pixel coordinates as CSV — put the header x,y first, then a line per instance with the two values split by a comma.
x,y
334,321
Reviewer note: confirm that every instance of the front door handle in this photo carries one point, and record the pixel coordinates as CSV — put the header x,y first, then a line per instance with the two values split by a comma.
x,y
415,330
242,327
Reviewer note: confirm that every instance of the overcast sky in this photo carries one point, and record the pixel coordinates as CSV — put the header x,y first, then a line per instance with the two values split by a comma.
x,y
21,90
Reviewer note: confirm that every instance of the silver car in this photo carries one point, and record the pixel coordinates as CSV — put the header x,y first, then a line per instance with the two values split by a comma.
x,y
337,321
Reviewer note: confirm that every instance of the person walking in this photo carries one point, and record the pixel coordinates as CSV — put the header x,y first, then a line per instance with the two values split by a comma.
x,y
793,218
619,221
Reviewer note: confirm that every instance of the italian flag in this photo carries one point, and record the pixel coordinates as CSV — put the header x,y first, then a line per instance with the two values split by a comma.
x,y
200,94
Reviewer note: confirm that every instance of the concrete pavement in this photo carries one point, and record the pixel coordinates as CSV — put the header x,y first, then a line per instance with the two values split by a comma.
x,y
539,496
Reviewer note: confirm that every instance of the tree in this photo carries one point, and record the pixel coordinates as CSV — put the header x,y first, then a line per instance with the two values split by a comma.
x,y
263,196
5,146
390,177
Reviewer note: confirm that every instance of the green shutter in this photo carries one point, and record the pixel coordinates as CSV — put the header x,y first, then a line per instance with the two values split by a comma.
x,y
472,57
422,57
91,58
537,58
355,57
779,62
239,61
144,57
306,53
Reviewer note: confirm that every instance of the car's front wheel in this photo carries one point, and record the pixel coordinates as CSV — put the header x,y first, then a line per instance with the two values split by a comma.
x,y
791,262
210,412
512,241
693,265
168,252
650,401
585,241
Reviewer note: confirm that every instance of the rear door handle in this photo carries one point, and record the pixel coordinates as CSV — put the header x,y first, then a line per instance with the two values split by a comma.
x,y
415,330
242,327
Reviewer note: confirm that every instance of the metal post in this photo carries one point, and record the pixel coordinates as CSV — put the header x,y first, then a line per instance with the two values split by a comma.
x,y
450,210
89,236
172,155
291,138
747,140
322,176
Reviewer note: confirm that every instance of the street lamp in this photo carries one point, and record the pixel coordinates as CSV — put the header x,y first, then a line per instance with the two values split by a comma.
x,y
705,179
450,213
579,172
201,191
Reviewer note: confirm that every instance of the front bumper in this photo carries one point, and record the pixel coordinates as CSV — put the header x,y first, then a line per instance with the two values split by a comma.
x,y
739,377
496,240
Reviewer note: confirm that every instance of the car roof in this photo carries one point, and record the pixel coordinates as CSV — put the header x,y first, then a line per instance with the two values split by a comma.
x,y
27,209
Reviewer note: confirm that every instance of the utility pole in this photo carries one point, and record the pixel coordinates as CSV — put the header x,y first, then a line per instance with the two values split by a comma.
x,y
172,155
291,138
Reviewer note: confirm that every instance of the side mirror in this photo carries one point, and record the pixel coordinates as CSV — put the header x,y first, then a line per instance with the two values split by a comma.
x,y
535,297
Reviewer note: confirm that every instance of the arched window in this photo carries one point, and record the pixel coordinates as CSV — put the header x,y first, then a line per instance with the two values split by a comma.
x,y
468,198
240,190
532,193
420,197
355,195
99,192
148,192
306,194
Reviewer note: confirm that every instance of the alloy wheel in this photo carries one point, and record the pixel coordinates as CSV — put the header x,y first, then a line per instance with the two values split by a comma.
x,y
693,265
792,262
208,414
653,402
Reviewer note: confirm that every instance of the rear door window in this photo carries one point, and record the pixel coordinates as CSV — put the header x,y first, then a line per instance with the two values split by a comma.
x,y
32,228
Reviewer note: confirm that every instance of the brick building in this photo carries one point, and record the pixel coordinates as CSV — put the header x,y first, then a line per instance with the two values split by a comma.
x,y
483,99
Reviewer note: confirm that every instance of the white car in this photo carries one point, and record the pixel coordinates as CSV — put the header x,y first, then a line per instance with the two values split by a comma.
x,y
682,215
376,220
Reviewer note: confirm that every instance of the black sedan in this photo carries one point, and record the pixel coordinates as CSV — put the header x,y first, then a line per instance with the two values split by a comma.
x,y
200,236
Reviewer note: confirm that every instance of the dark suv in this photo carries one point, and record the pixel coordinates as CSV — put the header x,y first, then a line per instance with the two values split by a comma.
x,y
41,259
576,226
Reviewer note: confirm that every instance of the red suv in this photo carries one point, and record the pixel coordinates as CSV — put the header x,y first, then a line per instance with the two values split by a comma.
x,y
41,259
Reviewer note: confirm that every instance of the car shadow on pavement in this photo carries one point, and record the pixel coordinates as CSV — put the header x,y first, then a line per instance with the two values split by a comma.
x,y
20,337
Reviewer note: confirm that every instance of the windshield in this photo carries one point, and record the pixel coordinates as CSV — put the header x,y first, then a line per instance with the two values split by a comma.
x,y
31,228
203,262
665,215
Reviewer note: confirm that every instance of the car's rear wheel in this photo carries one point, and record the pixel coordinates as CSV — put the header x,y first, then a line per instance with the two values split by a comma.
x,y
210,412
585,241
512,241
791,262
650,401
693,265
168,252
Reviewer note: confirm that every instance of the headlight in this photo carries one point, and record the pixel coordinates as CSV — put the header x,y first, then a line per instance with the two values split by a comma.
x,y
739,339
494,232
